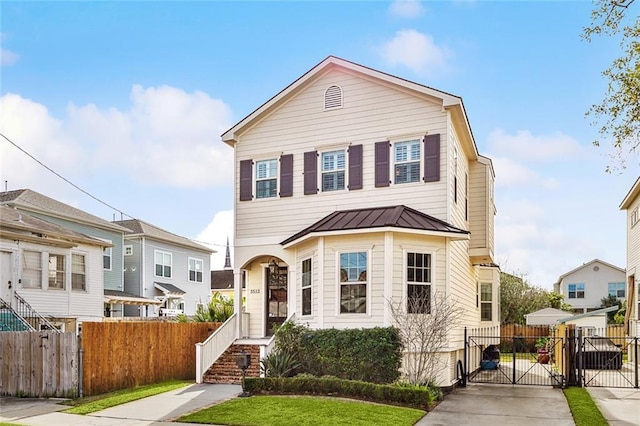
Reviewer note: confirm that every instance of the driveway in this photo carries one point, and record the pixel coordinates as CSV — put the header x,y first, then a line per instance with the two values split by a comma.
x,y
621,407
491,405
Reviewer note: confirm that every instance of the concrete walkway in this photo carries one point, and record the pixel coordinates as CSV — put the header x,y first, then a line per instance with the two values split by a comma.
x,y
491,405
619,406
155,410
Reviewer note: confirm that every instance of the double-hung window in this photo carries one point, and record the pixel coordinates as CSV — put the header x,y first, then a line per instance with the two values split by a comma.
x,y
576,291
57,272
163,264
106,258
195,270
31,269
267,178
406,161
617,289
306,287
78,272
333,167
419,283
486,302
353,283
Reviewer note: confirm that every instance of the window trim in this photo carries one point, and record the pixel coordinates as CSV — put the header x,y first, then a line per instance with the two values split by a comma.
x,y
127,247
155,253
393,162
405,278
40,270
635,216
276,176
618,284
345,168
489,302
338,304
195,259
108,250
56,271
306,287
84,272
576,290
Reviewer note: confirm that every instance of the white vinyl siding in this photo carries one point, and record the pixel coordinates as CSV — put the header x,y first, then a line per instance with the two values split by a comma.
x,y
31,269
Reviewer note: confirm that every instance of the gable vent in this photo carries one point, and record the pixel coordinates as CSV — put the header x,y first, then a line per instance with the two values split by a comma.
x,y
333,98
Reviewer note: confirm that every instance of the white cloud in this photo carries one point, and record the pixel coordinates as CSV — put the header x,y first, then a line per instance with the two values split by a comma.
x,y
406,8
510,173
524,145
416,51
217,231
7,57
168,137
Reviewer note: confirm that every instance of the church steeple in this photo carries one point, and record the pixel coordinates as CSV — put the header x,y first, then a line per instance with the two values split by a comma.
x,y
227,259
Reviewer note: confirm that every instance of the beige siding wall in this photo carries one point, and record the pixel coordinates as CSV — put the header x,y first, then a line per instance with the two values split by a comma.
x,y
633,254
371,113
478,207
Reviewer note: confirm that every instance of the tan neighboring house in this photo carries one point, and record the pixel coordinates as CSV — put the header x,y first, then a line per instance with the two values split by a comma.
x,y
353,189
631,204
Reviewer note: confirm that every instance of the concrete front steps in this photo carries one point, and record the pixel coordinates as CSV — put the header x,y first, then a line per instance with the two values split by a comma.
x,y
225,370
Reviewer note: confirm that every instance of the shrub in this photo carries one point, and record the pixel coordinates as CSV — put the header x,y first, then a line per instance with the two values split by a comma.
x,y
415,397
279,364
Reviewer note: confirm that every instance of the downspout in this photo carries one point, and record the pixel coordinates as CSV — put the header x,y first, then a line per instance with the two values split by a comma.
x,y
143,265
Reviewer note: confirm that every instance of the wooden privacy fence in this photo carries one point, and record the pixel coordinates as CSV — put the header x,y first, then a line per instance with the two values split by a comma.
x,y
39,364
118,355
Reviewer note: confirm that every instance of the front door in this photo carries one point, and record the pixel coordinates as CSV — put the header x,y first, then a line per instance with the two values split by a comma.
x,y
7,283
276,298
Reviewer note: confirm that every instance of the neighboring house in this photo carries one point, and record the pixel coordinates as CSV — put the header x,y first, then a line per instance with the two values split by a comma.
x,y
56,270
595,321
585,286
222,282
165,267
546,316
43,207
631,204
355,189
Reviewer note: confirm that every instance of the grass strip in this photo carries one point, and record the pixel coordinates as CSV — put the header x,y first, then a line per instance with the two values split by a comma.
x,y
271,410
91,404
584,410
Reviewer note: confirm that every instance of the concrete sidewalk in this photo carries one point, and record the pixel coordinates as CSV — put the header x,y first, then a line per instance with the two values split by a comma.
x,y
619,406
491,405
155,410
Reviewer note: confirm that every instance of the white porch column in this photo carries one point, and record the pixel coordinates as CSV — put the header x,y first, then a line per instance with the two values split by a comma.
x,y
237,300
387,284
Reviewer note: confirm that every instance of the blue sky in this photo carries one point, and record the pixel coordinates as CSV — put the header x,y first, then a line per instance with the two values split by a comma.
x,y
128,101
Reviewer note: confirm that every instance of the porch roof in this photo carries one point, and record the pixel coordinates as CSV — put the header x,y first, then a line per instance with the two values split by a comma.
x,y
402,217
169,289
124,298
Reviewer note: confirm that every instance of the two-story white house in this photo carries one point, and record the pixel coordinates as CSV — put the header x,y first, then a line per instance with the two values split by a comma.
x,y
165,267
355,189
584,287
631,204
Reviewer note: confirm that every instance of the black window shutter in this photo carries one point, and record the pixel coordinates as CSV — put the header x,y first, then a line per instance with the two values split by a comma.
x,y
286,175
246,180
310,172
382,164
355,167
432,158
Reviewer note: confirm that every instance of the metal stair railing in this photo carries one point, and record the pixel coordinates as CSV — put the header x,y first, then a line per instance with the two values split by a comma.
x,y
10,320
33,317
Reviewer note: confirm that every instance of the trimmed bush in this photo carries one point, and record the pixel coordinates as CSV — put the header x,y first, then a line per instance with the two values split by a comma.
x,y
304,384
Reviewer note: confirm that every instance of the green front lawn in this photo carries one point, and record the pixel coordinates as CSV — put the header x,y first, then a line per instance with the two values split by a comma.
x,y
301,411
95,403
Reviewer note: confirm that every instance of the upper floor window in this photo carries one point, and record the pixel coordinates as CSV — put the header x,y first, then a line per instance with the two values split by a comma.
x,y
128,250
353,283
333,167
617,289
306,287
486,302
195,269
266,178
634,217
576,291
407,161
333,97
106,257
419,283
78,272
163,264
31,269
57,273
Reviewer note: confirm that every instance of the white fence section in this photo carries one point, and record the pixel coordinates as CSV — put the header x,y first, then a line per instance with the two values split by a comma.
x,y
211,349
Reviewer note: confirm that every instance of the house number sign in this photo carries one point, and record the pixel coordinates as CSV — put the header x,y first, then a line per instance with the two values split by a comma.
x,y
255,291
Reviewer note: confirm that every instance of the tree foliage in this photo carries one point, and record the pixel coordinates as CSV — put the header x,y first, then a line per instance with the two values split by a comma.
x,y
607,302
518,297
618,114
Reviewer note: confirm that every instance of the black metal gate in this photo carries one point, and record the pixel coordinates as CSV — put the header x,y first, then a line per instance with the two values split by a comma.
x,y
608,361
532,360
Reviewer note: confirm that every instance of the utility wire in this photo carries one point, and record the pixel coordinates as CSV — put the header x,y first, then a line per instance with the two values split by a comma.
x,y
65,179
